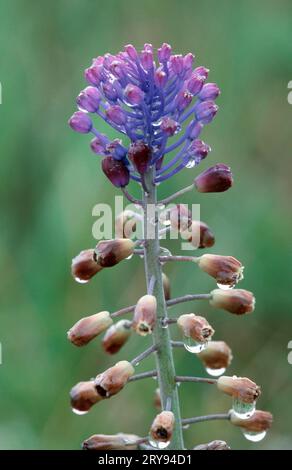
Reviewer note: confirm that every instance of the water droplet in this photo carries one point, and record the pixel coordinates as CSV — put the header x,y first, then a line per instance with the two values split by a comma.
x,y
164,326
225,286
186,426
159,444
78,412
243,410
254,436
129,257
193,346
81,281
215,372
190,164
178,384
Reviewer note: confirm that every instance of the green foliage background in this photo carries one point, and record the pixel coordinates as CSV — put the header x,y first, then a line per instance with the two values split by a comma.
x,y
50,181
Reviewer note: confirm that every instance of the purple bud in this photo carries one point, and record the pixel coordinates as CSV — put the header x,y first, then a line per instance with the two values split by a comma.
x,y
206,111
131,51
110,91
160,78
93,75
183,99
202,71
97,145
195,130
188,61
116,149
177,63
164,52
146,58
116,171
148,47
134,95
140,155
89,99
169,126
216,179
80,122
117,68
210,91
200,149
116,115
195,83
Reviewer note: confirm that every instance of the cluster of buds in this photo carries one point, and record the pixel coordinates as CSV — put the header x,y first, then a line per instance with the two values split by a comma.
x,y
150,100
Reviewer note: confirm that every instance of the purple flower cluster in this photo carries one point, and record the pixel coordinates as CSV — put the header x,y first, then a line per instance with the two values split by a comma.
x,y
148,102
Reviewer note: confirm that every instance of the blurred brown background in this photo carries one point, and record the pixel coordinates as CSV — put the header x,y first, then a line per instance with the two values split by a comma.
x,y
50,181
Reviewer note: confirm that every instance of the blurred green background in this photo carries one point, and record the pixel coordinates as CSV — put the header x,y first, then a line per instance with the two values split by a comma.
x,y
50,181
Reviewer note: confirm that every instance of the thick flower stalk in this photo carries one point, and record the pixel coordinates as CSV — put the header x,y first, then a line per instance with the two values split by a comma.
x,y
159,106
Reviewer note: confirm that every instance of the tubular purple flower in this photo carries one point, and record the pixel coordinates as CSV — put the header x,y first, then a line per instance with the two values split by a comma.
x,y
93,75
195,83
164,52
210,91
215,179
176,63
133,94
97,146
80,122
206,111
169,126
89,99
116,115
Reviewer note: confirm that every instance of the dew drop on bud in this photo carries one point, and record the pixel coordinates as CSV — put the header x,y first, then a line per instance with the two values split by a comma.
x,y
81,281
78,412
129,257
191,163
159,444
215,372
193,346
243,410
254,436
225,286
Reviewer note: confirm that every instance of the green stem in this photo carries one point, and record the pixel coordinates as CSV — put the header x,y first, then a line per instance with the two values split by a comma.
x,y
161,337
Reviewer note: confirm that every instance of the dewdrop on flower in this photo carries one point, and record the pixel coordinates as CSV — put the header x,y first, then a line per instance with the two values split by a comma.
x,y
111,252
84,266
83,396
216,357
196,332
227,270
244,392
161,430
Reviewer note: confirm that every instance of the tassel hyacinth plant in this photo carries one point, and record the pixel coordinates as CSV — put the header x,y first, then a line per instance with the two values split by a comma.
x,y
160,106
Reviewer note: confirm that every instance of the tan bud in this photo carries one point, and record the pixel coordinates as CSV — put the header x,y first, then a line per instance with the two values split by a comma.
x,y
116,336
111,442
126,224
199,235
88,328
217,355
83,396
260,421
180,217
214,445
240,388
157,399
238,301
195,327
114,379
225,269
166,286
111,252
162,427
145,315
84,266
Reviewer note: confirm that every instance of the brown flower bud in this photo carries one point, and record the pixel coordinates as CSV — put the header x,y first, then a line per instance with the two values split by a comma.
x,y
145,315
216,356
260,421
88,328
166,286
157,399
116,336
199,235
114,379
111,442
225,269
215,179
84,266
83,396
195,327
111,252
238,301
214,445
162,427
126,224
180,217
240,388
